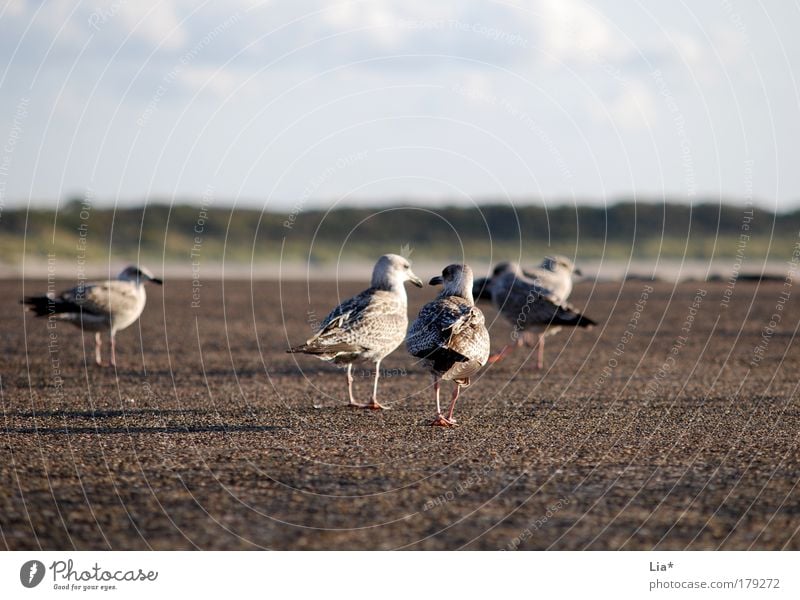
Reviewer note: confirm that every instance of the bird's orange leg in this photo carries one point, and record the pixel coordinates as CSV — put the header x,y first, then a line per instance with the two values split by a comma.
x,y
98,343
350,386
374,404
540,352
498,356
113,351
439,421
452,408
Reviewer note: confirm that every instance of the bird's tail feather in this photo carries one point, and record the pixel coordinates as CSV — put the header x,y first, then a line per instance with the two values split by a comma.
x,y
46,305
570,318
325,349
442,358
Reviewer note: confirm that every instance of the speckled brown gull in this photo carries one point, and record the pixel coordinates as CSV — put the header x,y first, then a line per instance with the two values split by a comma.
x,y
450,336
532,309
107,306
369,326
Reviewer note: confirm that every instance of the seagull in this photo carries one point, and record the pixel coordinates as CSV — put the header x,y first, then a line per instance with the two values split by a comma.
x,y
450,336
554,274
369,326
110,305
530,307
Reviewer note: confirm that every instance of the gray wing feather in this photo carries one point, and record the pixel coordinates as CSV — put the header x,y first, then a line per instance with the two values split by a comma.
x,y
451,333
373,321
106,298
526,303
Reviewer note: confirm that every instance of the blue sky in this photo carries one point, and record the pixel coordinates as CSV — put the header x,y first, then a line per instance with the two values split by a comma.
x,y
290,105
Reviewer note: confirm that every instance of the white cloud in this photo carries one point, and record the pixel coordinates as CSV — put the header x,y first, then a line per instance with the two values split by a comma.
x,y
573,31
158,24
221,83
589,65
634,107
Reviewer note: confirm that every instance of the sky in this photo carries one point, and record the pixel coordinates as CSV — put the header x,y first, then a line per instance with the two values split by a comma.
x,y
288,105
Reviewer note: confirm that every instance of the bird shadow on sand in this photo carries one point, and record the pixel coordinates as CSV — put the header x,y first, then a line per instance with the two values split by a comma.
x,y
171,429
240,373
105,429
132,412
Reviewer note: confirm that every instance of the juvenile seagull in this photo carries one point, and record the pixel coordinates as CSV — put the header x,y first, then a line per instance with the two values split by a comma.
x,y
111,305
369,326
554,274
450,336
531,308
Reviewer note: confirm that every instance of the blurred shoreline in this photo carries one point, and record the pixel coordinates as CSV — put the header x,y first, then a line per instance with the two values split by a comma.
x,y
359,270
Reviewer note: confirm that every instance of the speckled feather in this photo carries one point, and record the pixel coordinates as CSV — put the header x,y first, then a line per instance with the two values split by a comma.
x,y
450,336
367,326
530,307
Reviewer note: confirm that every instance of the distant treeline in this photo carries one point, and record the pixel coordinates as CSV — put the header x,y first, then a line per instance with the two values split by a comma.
x,y
217,233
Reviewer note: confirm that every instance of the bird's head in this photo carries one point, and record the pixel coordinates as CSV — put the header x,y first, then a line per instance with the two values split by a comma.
x,y
138,275
391,271
457,281
505,267
560,264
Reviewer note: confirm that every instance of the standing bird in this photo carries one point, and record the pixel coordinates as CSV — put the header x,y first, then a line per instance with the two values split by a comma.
x,y
369,326
111,305
530,307
450,336
553,274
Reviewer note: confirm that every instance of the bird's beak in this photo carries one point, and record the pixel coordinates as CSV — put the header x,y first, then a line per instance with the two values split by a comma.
x,y
415,280
577,272
156,280
436,280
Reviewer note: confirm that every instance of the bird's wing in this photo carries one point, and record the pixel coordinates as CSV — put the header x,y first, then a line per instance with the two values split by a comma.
x,y
373,310
438,322
511,293
525,303
347,312
468,335
103,298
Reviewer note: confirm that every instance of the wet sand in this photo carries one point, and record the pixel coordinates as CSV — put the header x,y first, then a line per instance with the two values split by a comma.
x,y
666,427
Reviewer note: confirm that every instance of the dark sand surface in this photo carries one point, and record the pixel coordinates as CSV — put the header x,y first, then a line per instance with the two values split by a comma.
x,y
210,436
